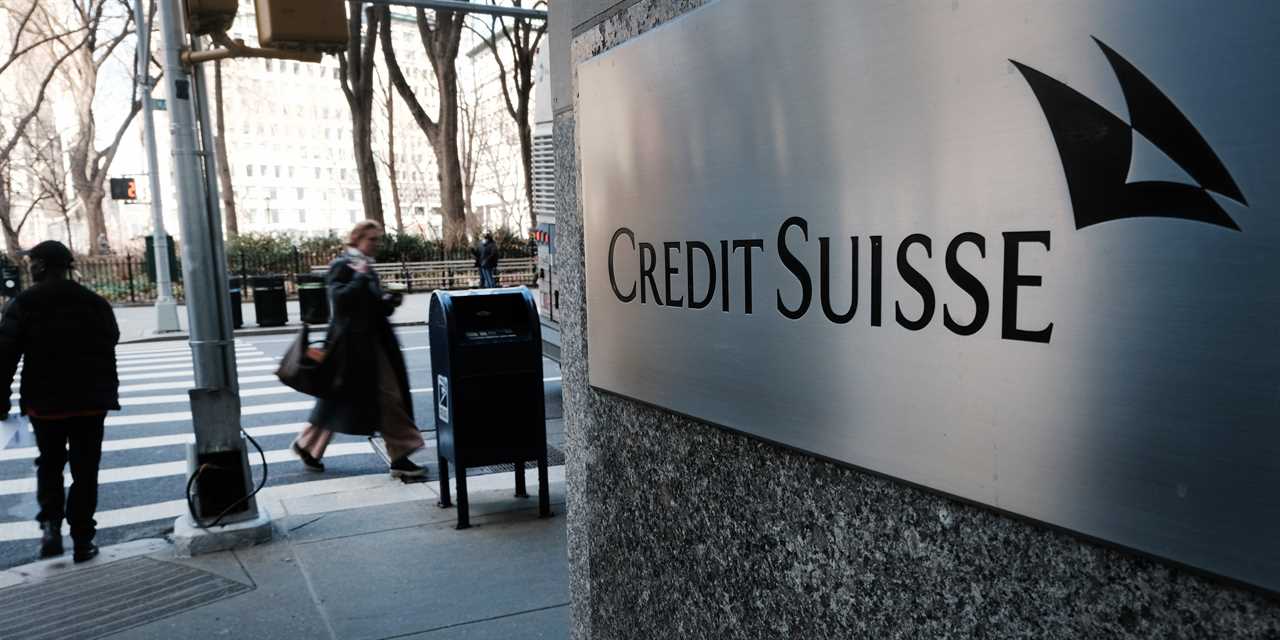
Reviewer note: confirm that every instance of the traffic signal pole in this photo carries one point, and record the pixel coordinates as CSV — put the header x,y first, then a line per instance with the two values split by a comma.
x,y
166,306
218,462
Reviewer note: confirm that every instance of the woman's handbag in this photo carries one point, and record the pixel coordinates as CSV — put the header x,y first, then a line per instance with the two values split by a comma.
x,y
309,368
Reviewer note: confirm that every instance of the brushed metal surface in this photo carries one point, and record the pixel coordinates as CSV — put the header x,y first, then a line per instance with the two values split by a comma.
x,y
1149,419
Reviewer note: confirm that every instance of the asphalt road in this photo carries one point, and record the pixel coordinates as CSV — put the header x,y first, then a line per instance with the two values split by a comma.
x,y
143,472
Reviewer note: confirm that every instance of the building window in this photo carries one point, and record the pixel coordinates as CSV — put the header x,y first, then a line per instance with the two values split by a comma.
x,y
248,170
300,193
290,171
354,213
302,216
271,193
317,173
262,168
277,171
344,174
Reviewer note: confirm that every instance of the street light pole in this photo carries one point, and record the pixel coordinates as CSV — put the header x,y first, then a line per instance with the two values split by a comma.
x,y
218,458
166,307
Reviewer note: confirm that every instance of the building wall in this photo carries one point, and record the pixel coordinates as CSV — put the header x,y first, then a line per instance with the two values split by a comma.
x,y
681,529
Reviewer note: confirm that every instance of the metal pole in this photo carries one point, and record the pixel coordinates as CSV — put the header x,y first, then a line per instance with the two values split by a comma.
x,y
166,307
209,336
467,7
215,405
213,204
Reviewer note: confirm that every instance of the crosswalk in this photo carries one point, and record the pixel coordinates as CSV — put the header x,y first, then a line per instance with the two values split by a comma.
x,y
144,463
143,472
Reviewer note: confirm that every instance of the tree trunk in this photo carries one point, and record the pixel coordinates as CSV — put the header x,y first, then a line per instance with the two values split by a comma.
x,y
355,75
526,159
366,166
392,174
91,201
11,246
224,167
452,201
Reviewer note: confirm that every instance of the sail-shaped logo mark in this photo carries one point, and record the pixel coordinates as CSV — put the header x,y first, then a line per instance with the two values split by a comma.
x,y
1097,147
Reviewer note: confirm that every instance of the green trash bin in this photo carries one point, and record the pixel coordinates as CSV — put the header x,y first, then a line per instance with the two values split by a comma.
x,y
313,299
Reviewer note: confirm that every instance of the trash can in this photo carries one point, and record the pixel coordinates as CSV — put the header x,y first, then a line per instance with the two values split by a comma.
x,y
486,365
268,300
10,279
237,300
313,299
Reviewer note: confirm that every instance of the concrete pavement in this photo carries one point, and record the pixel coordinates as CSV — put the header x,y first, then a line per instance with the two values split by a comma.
x,y
361,565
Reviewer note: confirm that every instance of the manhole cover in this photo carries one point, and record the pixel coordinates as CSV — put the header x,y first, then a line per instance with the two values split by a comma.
x,y
93,603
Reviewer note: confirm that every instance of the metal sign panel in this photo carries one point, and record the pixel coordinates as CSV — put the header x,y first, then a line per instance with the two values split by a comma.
x,y
1021,253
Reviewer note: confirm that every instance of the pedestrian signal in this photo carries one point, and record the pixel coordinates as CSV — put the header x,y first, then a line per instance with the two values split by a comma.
x,y
304,25
210,16
124,189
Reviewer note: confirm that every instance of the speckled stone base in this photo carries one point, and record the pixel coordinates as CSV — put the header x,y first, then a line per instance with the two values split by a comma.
x,y
683,530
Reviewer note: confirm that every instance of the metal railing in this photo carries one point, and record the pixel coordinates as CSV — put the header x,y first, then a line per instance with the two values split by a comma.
x,y
126,279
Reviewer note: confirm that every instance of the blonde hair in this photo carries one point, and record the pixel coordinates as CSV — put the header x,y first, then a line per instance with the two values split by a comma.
x,y
362,229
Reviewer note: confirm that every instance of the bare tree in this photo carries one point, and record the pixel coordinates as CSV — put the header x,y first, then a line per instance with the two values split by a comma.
x,y
89,164
356,74
521,38
52,178
390,162
42,48
11,227
220,148
470,142
441,37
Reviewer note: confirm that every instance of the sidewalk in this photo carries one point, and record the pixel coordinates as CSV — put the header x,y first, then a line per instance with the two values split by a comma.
x,y
138,324
378,563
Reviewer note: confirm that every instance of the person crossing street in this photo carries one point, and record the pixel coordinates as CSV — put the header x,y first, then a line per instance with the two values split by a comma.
x,y
65,336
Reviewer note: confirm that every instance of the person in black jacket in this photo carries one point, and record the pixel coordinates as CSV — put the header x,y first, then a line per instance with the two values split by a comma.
x,y
374,394
487,261
66,336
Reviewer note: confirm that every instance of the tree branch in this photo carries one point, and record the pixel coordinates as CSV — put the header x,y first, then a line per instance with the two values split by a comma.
x,y
429,126
106,156
21,125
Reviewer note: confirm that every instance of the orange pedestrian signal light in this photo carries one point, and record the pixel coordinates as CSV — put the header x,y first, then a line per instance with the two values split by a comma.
x,y
124,189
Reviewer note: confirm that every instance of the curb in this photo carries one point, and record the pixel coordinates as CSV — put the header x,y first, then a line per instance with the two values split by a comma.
x,y
261,331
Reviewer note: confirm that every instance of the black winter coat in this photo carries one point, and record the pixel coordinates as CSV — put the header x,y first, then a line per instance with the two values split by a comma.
x,y
360,326
66,336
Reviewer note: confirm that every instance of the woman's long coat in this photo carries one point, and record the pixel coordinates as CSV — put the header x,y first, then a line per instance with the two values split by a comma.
x,y
359,328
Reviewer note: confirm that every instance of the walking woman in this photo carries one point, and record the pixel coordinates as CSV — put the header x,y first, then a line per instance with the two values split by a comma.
x,y
374,393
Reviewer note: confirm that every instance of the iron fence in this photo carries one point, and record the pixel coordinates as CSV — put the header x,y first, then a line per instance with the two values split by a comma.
x,y
125,279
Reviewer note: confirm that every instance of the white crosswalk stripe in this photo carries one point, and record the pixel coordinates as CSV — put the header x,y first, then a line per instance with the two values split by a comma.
x,y
169,356
18,486
184,384
186,372
126,444
181,416
182,397
165,366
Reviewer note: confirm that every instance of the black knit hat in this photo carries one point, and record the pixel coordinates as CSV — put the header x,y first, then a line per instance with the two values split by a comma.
x,y
52,253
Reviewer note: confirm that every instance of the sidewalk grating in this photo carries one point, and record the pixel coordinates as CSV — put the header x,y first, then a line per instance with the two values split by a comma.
x,y
97,602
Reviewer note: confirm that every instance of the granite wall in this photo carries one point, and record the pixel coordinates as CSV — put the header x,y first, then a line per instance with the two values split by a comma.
x,y
683,530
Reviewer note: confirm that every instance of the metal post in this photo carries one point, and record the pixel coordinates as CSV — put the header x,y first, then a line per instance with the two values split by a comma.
x,y
128,264
166,307
215,403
